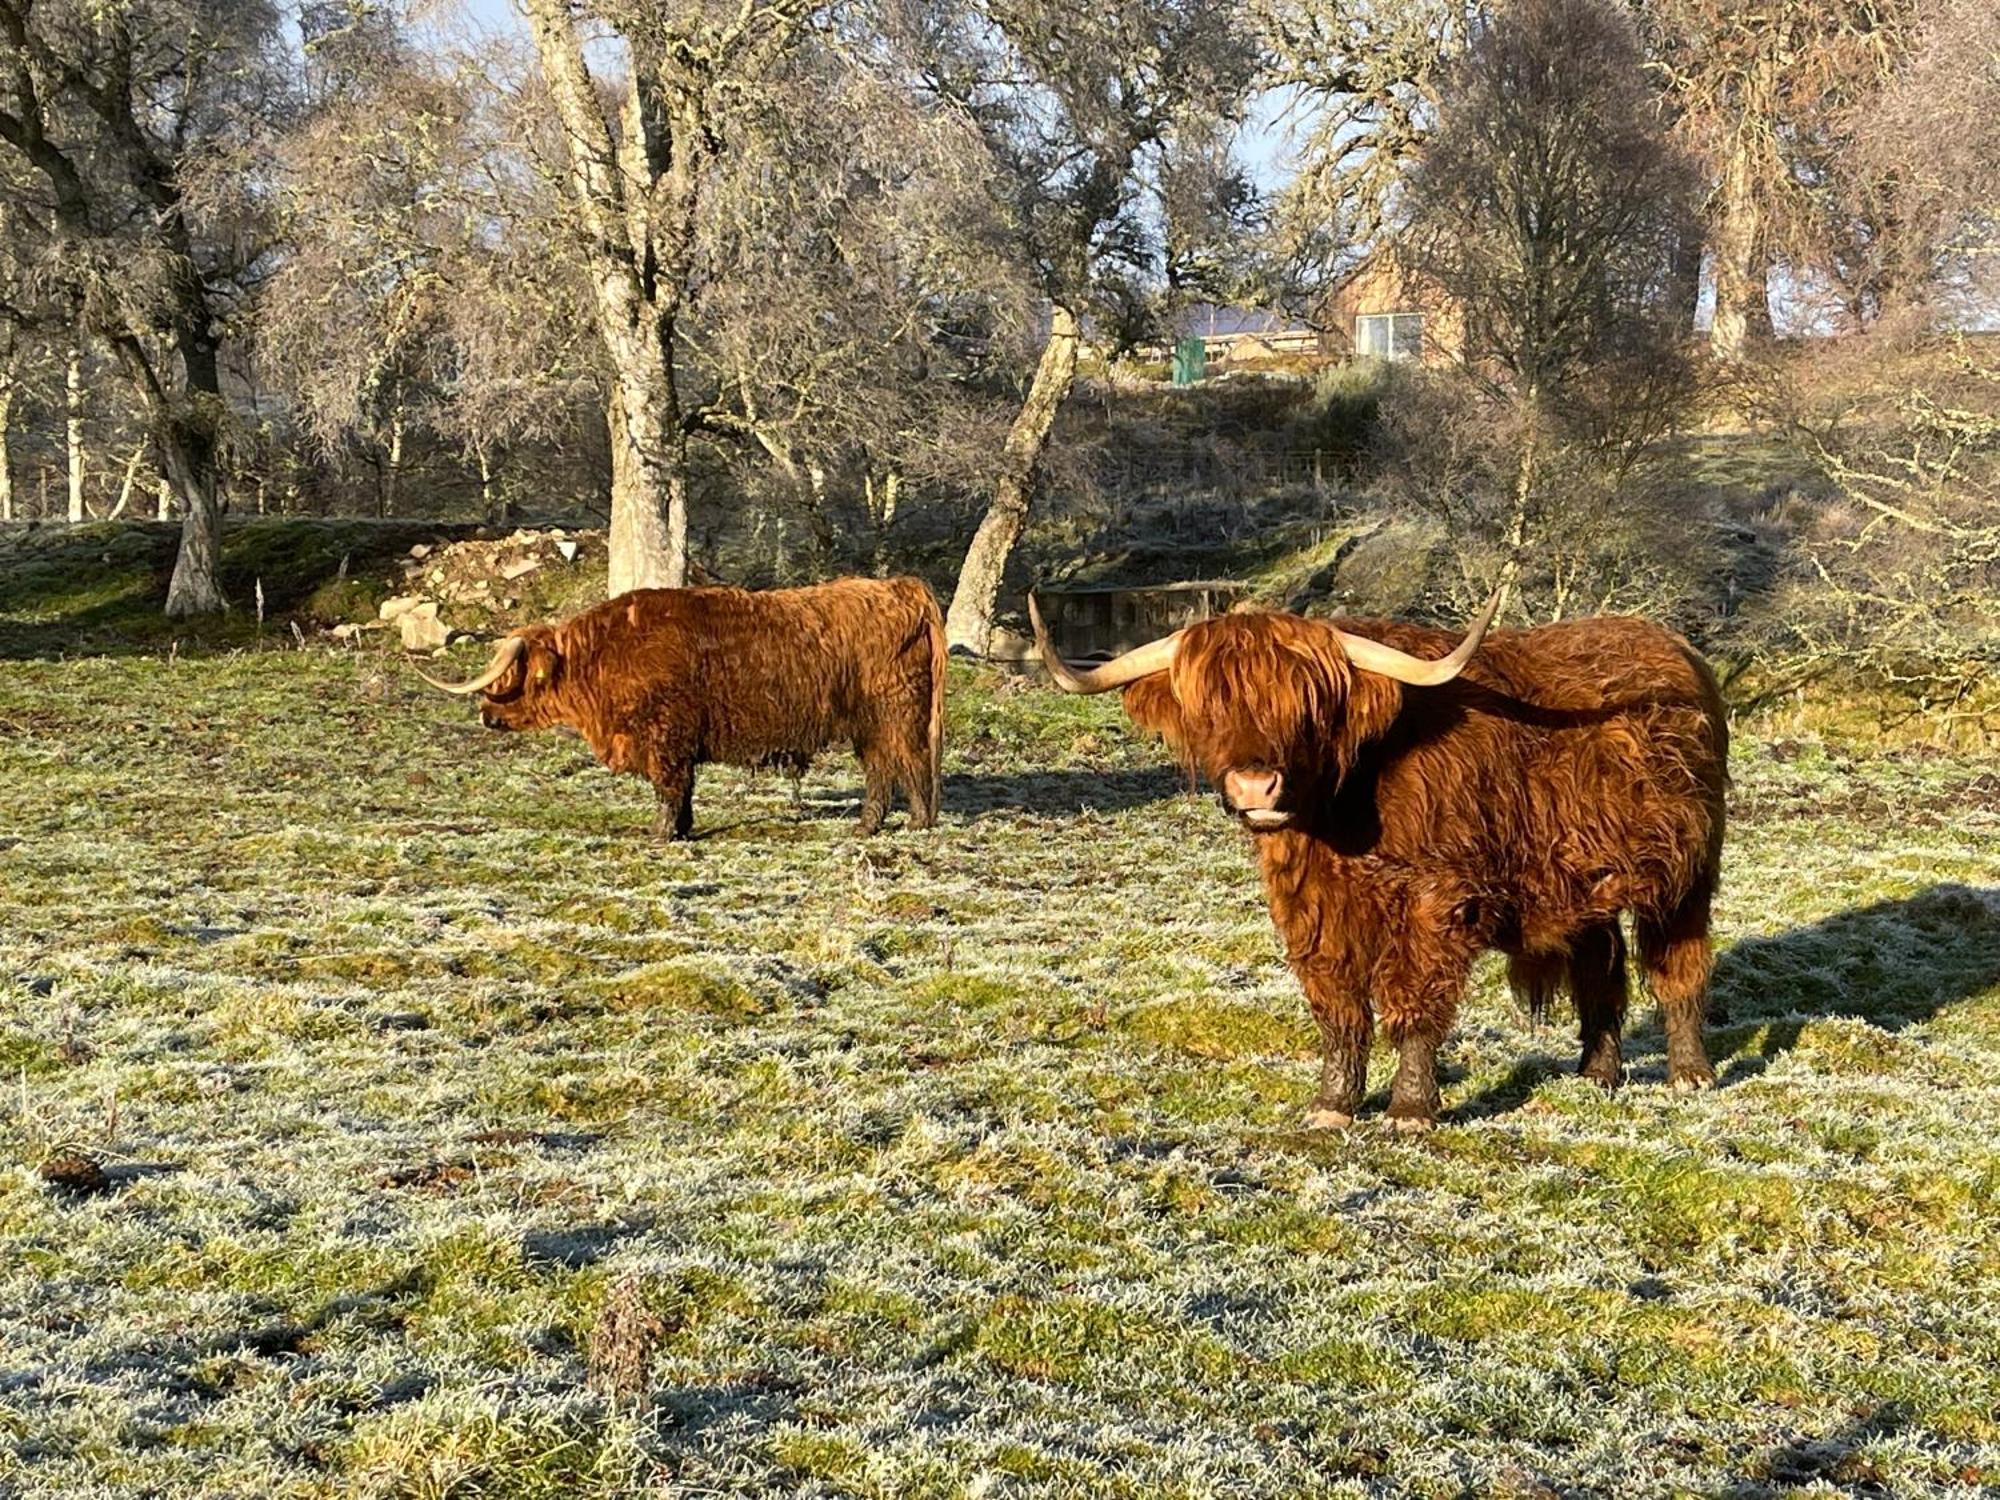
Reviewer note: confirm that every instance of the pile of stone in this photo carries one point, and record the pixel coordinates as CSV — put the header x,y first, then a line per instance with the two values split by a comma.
x,y
468,578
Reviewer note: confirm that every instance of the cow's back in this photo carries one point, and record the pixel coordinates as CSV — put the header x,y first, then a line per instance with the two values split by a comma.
x,y
1581,765
760,674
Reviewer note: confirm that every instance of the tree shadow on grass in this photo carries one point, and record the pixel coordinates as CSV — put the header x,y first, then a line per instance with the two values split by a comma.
x,y
1803,1461
1893,964
100,589
970,796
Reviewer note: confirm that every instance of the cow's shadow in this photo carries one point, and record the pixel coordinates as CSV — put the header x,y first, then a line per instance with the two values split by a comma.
x,y
982,794
1893,964
969,796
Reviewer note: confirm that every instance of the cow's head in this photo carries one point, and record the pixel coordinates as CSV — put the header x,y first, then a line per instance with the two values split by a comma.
x,y
520,688
1272,708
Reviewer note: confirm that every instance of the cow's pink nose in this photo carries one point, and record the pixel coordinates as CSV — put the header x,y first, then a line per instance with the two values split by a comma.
x,y
1253,791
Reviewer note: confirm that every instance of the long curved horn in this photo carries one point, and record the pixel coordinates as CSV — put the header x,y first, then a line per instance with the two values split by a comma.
x,y
1142,661
1387,661
505,655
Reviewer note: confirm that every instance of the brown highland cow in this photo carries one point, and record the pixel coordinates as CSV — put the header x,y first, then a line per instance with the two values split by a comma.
x,y
1416,800
659,681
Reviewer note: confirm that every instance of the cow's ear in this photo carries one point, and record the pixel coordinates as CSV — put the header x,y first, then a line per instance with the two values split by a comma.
x,y
1150,703
1373,702
544,665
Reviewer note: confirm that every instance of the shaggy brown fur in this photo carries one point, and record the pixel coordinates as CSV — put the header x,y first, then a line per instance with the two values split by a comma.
x,y
1571,774
660,681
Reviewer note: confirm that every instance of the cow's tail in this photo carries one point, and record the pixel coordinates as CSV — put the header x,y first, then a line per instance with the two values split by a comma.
x,y
934,619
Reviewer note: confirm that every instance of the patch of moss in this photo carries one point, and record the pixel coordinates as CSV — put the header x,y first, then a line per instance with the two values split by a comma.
x,y
1054,1338
1221,1029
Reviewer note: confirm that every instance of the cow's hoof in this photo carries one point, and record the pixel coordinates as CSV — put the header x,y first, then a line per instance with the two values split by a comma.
x,y
1692,1082
1328,1119
1411,1124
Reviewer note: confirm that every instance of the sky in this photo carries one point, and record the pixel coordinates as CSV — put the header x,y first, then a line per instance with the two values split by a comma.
x,y
1263,144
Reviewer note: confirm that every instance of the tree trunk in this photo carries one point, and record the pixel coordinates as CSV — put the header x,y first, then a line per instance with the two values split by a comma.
x,y
163,499
196,586
392,470
636,285
1684,287
6,452
1742,299
188,447
73,443
1524,475
970,622
492,506
648,540
131,479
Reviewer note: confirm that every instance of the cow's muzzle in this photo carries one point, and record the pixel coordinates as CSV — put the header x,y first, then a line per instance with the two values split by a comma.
x,y
1256,797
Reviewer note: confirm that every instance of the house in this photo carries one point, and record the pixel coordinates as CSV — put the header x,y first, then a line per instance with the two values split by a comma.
x,y
1243,336
1386,312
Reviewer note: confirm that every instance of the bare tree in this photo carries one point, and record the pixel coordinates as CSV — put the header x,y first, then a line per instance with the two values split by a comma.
x,y
1548,206
380,202
76,451
1893,565
10,390
1362,77
858,305
1921,171
1757,93
1073,105
637,174
114,108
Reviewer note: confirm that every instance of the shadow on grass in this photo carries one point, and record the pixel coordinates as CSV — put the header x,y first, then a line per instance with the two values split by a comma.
x,y
981,794
100,588
1894,964
968,797
1823,1460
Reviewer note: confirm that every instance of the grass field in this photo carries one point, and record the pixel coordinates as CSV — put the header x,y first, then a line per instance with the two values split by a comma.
x,y
461,1140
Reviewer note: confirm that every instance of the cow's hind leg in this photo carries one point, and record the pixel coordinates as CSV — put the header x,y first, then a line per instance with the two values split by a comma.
x,y
911,754
1674,951
675,817
878,777
1597,982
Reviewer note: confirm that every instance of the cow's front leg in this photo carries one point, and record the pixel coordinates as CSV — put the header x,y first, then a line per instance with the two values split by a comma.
x,y
675,816
1418,984
1413,1096
1345,1028
1417,1016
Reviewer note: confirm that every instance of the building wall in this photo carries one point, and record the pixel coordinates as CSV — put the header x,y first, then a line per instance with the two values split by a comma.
x,y
1383,287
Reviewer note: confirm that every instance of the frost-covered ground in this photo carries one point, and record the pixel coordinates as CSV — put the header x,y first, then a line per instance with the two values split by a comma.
x,y
462,1140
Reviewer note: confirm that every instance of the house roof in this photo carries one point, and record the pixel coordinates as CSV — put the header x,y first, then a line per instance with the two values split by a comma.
x,y
1215,320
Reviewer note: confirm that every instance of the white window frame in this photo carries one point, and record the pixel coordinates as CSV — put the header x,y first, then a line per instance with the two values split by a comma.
x,y
1388,335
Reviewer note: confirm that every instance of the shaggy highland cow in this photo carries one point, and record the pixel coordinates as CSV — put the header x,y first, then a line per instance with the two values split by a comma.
x,y
1416,800
659,681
